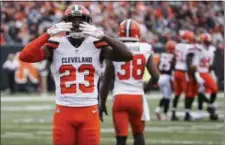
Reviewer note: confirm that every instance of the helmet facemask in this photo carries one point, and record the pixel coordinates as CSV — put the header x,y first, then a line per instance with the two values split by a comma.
x,y
76,21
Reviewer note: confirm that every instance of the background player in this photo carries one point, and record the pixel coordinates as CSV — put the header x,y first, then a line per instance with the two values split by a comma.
x,y
129,104
183,79
204,67
166,66
76,68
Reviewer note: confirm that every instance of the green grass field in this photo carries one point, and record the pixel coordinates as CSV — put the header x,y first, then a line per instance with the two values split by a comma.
x,y
26,120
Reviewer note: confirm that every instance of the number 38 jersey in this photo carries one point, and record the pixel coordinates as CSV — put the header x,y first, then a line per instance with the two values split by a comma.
x,y
76,72
128,75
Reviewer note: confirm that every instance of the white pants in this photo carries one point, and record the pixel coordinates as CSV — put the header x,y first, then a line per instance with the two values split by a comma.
x,y
165,85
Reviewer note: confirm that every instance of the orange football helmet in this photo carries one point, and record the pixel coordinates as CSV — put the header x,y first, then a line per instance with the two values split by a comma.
x,y
187,36
129,30
205,37
77,11
170,46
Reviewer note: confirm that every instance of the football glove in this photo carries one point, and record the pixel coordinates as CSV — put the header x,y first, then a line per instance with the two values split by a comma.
x,y
201,89
199,79
91,30
59,27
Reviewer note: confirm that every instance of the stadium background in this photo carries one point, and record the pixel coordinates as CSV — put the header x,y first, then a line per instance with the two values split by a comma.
x,y
21,22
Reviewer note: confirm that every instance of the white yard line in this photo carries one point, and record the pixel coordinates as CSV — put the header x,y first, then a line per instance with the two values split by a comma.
x,y
18,135
23,135
169,142
152,96
28,108
149,129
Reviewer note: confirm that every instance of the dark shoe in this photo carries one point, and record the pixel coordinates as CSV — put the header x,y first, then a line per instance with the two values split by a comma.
x,y
211,110
212,113
174,118
187,117
214,117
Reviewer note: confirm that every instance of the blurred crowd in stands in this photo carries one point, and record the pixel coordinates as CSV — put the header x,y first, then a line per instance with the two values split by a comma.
x,y
23,21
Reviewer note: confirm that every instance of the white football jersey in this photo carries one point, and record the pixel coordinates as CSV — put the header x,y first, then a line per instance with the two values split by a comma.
x,y
181,52
128,75
205,58
76,72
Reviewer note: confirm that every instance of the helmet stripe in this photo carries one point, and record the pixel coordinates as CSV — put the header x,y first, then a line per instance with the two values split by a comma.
x,y
128,24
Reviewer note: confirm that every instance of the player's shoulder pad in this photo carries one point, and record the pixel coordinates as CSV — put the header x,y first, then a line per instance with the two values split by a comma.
x,y
198,47
53,42
146,48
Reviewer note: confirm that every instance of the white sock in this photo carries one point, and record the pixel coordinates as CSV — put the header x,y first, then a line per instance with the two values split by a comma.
x,y
158,109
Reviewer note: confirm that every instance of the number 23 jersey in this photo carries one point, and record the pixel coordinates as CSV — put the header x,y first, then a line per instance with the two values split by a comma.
x,y
128,75
76,72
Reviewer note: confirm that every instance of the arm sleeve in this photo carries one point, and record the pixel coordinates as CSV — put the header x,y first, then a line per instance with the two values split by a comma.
x,y
32,52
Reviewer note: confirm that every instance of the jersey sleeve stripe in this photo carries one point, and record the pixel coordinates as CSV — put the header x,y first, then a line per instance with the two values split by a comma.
x,y
99,44
54,46
53,42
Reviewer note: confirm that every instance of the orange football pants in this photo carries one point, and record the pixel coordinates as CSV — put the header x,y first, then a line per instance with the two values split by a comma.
x,y
181,85
128,109
210,83
76,126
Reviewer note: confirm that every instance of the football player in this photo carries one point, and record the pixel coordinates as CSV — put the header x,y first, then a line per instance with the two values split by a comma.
x,y
183,79
76,67
129,105
166,65
204,67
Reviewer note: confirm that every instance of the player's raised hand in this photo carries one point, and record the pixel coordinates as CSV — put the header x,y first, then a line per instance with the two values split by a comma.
x,y
102,109
60,27
91,30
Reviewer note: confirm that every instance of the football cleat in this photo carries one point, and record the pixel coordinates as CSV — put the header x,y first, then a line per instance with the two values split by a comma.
x,y
188,117
212,113
174,117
